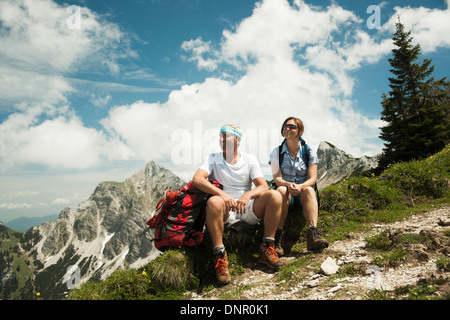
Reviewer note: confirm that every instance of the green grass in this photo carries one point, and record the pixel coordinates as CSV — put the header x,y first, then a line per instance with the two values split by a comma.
x,y
379,241
391,258
167,277
424,291
12,258
400,191
443,264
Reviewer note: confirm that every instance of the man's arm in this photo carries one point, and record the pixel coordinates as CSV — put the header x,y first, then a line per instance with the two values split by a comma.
x,y
200,181
260,187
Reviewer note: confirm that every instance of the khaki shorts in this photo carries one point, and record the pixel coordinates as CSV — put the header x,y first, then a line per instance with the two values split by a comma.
x,y
248,216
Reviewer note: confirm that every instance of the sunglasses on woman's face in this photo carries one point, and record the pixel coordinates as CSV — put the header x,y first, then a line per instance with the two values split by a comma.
x,y
290,126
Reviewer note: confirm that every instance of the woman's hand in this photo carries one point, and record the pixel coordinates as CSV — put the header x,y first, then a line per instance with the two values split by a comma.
x,y
294,189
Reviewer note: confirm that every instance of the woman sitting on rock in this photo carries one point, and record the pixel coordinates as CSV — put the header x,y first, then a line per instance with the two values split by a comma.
x,y
296,182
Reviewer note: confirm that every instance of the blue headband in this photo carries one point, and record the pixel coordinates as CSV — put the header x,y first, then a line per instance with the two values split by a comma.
x,y
231,130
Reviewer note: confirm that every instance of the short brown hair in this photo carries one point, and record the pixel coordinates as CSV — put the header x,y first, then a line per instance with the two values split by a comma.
x,y
299,124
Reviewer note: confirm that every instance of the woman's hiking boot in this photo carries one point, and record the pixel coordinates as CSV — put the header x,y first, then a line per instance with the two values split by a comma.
x,y
221,267
279,241
268,256
313,240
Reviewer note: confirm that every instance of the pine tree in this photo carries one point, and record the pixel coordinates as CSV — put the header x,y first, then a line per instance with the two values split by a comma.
x,y
416,110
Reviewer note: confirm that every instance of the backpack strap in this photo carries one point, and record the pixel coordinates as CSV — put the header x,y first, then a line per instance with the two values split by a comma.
x,y
305,156
305,152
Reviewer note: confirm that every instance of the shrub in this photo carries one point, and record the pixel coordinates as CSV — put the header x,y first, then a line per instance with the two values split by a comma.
x,y
172,269
391,258
120,285
381,241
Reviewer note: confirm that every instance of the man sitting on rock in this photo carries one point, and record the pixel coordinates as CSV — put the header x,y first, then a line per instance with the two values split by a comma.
x,y
236,171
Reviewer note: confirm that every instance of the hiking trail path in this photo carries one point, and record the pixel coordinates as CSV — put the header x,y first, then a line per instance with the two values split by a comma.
x,y
310,282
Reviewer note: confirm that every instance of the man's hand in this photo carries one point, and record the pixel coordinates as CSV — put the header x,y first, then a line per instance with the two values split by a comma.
x,y
230,204
241,203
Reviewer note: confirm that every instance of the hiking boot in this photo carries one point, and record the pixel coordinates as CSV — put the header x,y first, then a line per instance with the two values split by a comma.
x,y
221,267
313,240
279,241
268,256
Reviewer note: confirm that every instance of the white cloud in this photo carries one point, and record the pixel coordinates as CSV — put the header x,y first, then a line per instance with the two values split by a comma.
x,y
18,194
292,66
197,48
62,142
429,26
35,36
18,86
62,201
300,64
37,51
12,206
100,101
146,74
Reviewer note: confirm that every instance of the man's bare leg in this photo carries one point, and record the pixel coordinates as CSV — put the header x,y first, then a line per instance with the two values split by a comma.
x,y
215,216
268,207
215,210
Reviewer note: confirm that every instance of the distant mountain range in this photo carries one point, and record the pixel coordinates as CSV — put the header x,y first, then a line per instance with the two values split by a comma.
x,y
22,224
108,231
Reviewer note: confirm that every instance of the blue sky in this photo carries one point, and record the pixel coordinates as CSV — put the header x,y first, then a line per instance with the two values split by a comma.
x,y
92,90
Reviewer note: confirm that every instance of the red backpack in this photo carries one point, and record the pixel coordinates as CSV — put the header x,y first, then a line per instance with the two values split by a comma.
x,y
181,218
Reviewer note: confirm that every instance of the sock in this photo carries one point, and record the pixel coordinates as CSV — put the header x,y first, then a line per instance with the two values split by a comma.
x,y
219,250
311,224
267,240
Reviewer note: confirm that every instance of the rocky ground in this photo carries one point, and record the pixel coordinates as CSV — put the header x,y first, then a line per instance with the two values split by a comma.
x,y
346,270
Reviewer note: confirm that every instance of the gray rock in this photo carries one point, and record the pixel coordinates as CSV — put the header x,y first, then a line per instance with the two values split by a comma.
x,y
313,283
372,269
329,267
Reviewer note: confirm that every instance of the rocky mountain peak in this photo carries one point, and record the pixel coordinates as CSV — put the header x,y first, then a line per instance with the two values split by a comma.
x,y
336,165
107,231
326,145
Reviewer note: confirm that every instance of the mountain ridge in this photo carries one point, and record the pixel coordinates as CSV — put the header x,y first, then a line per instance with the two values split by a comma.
x,y
105,232
336,165
22,224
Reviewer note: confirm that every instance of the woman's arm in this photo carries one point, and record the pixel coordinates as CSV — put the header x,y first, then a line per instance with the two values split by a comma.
x,y
312,177
276,173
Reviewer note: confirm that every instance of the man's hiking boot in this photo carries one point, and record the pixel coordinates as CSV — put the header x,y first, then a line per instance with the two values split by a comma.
x,y
268,256
279,241
221,267
313,240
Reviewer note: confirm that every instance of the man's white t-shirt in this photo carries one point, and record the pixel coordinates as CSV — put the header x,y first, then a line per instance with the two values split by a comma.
x,y
237,178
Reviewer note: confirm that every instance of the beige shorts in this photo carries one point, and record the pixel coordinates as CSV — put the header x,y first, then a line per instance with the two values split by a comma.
x,y
248,216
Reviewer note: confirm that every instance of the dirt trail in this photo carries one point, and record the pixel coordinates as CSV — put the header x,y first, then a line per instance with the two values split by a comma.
x,y
261,283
